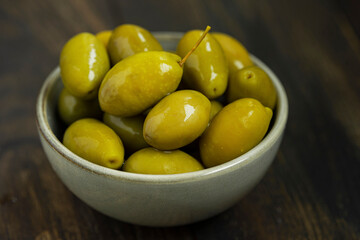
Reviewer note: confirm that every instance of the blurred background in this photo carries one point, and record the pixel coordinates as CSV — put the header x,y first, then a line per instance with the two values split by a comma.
x,y
310,192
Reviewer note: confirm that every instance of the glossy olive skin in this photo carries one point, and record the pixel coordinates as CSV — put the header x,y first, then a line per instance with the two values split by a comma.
x,y
95,142
215,108
72,108
83,63
236,54
206,69
252,82
104,37
129,129
128,39
153,161
138,82
177,120
236,129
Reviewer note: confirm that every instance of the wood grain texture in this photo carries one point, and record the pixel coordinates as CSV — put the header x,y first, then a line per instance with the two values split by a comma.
x,y
310,192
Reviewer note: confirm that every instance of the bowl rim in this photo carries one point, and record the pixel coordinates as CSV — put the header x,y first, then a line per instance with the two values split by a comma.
x,y
266,143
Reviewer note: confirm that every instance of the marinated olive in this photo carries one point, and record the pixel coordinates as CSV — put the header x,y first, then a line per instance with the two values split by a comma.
x,y
130,130
138,82
83,64
128,39
153,161
236,129
104,36
72,108
206,68
252,82
216,106
236,54
95,142
177,120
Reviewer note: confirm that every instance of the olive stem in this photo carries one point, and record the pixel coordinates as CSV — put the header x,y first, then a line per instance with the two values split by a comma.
x,y
182,61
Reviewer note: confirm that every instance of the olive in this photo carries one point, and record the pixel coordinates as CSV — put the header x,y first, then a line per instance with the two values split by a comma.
x,y
95,142
236,129
153,161
128,39
72,108
83,64
236,54
129,129
177,120
104,36
138,82
252,82
216,106
206,68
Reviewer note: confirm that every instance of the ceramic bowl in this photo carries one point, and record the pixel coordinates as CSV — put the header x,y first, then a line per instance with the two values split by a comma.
x,y
156,200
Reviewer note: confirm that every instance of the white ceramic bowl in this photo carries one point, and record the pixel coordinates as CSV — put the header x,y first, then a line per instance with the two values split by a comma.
x,y
157,200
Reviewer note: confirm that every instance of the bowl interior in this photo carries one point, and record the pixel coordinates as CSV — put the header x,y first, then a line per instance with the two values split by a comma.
x,y
52,128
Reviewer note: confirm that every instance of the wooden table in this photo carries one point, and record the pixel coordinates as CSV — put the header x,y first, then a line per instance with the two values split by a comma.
x,y
311,191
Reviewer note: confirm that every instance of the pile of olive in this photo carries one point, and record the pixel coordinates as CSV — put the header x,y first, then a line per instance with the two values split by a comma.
x,y
123,93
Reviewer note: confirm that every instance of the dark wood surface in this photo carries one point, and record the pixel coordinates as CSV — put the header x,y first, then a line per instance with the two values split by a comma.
x,y
311,191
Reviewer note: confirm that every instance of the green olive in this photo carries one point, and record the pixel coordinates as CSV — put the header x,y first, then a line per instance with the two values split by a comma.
x,y
129,129
138,82
236,54
153,161
128,39
215,108
206,68
95,142
72,108
252,82
104,37
83,63
236,129
177,120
